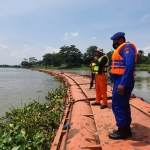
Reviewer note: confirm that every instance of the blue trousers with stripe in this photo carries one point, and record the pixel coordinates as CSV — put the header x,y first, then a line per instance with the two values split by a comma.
x,y
121,107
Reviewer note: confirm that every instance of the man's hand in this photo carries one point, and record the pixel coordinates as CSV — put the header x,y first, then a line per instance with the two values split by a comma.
x,y
95,58
121,89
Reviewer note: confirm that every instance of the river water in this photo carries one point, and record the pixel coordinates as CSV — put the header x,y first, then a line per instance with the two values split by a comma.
x,y
20,86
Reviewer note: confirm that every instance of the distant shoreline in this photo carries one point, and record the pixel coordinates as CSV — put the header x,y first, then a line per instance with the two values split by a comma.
x,y
139,67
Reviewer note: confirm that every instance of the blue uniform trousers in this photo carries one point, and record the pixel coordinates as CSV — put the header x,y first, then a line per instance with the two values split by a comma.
x,y
120,105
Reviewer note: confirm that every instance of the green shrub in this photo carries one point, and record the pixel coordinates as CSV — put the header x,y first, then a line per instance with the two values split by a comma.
x,y
34,126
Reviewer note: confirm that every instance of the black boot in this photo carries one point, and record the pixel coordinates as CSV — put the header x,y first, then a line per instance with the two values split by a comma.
x,y
103,106
94,104
121,133
129,133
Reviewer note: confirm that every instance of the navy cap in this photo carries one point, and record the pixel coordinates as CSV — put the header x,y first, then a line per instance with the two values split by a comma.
x,y
117,35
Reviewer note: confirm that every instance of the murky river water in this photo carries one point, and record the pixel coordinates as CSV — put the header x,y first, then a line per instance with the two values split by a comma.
x,y
142,85
20,86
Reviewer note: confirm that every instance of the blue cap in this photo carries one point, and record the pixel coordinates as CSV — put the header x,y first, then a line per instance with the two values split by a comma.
x,y
117,35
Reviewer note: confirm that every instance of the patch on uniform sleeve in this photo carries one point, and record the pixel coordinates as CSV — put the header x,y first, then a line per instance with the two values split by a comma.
x,y
127,51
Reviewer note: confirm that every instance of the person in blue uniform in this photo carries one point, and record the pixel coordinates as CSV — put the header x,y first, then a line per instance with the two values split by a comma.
x,y
122,72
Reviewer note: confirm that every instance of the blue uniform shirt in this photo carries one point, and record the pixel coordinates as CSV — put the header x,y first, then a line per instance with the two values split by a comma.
x,y
128,55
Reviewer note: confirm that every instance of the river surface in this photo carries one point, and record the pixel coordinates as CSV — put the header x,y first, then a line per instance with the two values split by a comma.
x,y
20,86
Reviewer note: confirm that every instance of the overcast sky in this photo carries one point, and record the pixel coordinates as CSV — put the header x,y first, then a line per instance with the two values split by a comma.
x,y
32,28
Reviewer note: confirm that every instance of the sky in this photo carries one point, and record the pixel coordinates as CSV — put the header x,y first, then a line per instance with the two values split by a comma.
x,y
33,28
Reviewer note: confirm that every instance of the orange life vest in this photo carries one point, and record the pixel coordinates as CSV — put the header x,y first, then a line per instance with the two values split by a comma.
x,y
117,63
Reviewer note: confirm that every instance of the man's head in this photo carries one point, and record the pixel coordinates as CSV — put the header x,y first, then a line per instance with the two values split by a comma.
x,y
118,38
99,52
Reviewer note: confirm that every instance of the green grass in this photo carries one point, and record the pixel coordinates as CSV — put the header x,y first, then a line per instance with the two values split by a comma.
x,y
139,67
142,67
63,66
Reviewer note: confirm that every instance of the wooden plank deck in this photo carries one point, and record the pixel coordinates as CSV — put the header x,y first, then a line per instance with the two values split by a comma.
x,y
102,120
105,122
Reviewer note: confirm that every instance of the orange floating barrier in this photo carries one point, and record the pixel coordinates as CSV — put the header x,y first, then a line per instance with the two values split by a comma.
x,y
89,125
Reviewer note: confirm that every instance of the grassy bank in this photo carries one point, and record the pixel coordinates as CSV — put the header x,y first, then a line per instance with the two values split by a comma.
x,y
34,126
139,67
75,67
142,67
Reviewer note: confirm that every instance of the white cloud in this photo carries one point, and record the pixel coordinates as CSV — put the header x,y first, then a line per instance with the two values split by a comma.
x,y
3,46
22,53
93,38
66,36
26,51
74,34
51,50
146,50
18,53
145,18
15,53
27,47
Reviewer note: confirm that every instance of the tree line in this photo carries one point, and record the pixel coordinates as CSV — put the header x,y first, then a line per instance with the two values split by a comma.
x,y
72,56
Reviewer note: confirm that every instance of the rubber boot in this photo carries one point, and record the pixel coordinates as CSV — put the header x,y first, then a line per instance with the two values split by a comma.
x,y
121,133
129,132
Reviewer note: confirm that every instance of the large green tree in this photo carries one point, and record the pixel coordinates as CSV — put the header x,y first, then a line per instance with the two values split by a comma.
x,y
26,64
33,60
89,54
140,57
47,59
56,60
70,55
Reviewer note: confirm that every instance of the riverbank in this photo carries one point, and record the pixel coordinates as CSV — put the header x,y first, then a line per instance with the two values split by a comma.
x,y
142,67
139,67
33,126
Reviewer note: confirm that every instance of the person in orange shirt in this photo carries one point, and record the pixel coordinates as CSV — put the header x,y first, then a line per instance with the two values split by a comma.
x,y
100,70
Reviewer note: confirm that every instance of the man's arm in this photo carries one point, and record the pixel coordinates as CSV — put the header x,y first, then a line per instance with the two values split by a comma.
x,y
128,54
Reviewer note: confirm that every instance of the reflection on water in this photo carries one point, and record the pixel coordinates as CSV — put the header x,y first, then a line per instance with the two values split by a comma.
x,y
142,85
142,82
20,86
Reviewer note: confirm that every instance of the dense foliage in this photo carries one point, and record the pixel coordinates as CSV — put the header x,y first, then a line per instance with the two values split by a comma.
x,y
72,56
89,54
34,126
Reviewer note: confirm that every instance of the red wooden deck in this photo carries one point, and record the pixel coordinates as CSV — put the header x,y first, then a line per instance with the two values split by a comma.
x,y
90,125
